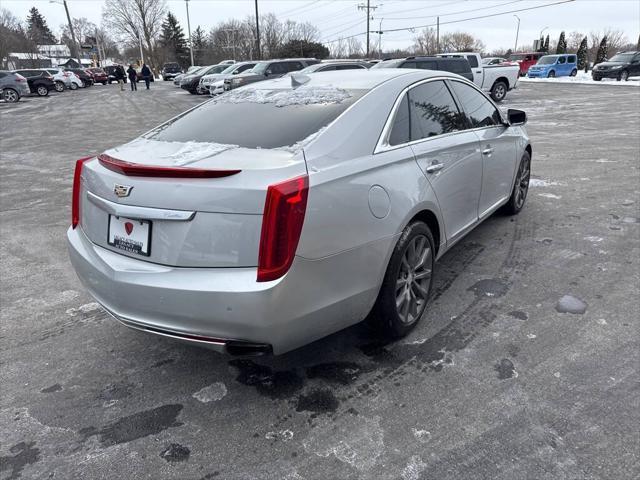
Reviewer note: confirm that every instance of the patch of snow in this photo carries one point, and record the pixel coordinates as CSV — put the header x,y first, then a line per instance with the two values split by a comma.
x,y
86,308
605,160
413,469
284,435
423,436
538,182
549,195
191,152
297,147
584,78
286,97
531,336
211,393
601,321
594,239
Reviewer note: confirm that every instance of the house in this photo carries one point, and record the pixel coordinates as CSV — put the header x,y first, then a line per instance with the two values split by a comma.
x,y
18,60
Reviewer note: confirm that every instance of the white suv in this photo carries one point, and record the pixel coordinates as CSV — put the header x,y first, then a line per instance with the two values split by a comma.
x,y
64,79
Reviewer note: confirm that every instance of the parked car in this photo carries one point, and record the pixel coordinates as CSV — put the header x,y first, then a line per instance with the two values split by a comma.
x,y
140,77
40,82
111,73
213,83
170,70
342,65
227,62
324,203
190,70
85,78
453,65
495,61
63,79
191,81
551,66
98,75
496,79
525,60
621,66
13,86
269,69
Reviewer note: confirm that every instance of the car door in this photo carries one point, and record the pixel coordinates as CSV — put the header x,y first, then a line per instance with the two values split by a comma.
x,y
634,66
447,153
561,66
497,145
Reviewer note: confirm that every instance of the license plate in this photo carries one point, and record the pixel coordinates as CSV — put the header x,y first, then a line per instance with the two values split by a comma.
x,y
130,235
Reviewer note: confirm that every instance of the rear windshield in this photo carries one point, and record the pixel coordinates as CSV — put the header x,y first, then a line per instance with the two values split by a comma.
x,y
253,118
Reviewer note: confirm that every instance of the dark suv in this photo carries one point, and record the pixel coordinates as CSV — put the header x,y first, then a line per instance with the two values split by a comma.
x,y
268,69
170,70
457,65
40,81
621,66
111,73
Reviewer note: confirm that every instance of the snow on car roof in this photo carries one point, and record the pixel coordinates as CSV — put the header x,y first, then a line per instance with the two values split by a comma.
x,y
349,79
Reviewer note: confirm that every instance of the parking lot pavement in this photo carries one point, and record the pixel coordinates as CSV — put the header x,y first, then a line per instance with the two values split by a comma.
x,y
495,383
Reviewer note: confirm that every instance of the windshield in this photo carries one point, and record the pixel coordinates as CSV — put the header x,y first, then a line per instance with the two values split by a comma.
x,y
253,118
622,57
389,63
550,60
311,68
260,67
214,69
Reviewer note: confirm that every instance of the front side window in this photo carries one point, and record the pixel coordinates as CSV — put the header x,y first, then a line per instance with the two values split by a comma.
x,y
562,60
479,111
432,111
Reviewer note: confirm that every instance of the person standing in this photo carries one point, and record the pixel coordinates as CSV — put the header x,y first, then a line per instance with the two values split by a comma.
x,y
131,72
120,76
146,74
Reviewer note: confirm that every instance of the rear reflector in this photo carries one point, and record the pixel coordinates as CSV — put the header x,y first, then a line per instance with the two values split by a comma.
x,y
139,170
75,196
281,227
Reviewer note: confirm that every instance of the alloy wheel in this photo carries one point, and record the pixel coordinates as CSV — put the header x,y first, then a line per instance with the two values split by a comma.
x,y
499,92
10,96
414,280
42,91
522,187
624,76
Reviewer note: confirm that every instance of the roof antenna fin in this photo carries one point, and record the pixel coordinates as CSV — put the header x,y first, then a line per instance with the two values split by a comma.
x,y
299,79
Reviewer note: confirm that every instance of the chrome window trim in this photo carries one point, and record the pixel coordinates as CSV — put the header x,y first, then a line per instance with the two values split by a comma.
x,y
383,140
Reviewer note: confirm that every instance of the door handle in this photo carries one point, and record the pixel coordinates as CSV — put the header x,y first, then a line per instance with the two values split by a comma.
x,y
435,167
487,151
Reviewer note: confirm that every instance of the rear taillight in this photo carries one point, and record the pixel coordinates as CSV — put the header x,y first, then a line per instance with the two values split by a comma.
x,y
281,227
75,198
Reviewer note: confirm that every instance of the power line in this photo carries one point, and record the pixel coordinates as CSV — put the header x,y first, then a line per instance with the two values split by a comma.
x,y
454,13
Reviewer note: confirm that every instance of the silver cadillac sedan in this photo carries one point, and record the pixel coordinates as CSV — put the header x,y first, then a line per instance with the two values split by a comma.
x,y
281,212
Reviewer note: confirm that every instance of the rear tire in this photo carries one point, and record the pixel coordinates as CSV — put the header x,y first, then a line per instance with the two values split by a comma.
x,y
59,86
407,283
42,91
499,91
10,95
574,72
624,75
74,86
551,74
520,187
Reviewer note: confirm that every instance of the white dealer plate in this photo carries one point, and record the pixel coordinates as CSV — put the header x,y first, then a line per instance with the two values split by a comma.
x,y
130,235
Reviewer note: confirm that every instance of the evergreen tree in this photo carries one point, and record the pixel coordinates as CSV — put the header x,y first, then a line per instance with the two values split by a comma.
x,y
508,53
582,54
199,44
302,48
602,51
546,45
173,41
562,44
37,29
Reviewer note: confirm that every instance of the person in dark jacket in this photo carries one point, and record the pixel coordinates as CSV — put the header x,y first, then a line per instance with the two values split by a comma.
x,y
131,72
120,76
146,74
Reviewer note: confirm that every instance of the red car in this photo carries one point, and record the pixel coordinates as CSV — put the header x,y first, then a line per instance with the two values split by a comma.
x,y
98,75
525,60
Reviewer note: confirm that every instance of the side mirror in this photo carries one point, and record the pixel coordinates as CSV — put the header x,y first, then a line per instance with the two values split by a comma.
x,y
516,117
268,72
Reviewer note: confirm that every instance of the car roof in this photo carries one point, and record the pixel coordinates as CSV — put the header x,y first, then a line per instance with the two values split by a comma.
x,y
359,79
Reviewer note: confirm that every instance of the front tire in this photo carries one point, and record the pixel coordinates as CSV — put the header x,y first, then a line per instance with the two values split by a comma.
x,y
499,91
407,283
551,74
10,95
42,91
624,76
520,187
59,87
74,86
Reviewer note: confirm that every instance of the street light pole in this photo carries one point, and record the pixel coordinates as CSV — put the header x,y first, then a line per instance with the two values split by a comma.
x,y
73,35
515,48
259,56
189,31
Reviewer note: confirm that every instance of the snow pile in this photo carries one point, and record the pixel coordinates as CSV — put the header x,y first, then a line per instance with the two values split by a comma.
x,y
190,152
285,98
584,78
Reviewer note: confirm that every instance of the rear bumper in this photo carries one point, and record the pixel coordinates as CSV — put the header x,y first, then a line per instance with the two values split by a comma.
x,y
315,298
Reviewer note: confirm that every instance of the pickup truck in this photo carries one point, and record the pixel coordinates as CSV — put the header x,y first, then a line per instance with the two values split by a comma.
x,y
495,79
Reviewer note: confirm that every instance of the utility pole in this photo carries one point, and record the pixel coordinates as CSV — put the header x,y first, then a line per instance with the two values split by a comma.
x,y
368,7
73,35
438,35
189,31
258,54
380,40
515,48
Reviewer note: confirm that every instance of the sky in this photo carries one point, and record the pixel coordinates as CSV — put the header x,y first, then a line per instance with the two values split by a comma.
x,y
339,18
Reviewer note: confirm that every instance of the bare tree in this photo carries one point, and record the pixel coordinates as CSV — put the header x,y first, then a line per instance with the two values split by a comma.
x,y
354,48
136,19
615,40
338,48
460,42
425,43
573,41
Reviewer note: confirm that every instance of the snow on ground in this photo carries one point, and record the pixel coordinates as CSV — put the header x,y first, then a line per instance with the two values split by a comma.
x,y
584,78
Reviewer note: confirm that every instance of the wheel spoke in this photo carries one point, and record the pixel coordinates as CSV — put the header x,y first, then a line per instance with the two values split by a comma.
x,y
423,258
423,291
424,274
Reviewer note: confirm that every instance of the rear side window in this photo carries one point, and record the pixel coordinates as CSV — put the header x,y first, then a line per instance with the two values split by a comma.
x,y
571,59
293,66
453,66
400,131
257,118
350,67
479,111
3,74
432,111
428,65
408,65
473,61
